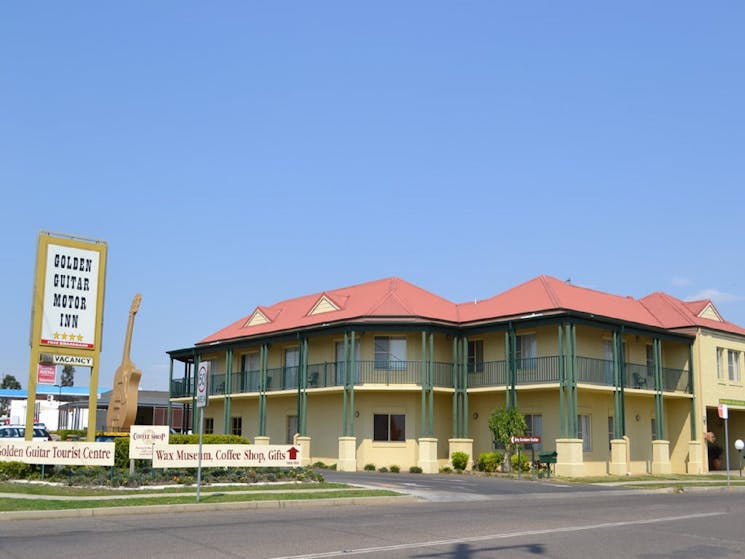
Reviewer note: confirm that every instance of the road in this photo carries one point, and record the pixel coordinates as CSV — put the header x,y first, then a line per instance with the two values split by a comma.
x,y
523,519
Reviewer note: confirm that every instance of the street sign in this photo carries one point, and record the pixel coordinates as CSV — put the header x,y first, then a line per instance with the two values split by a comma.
x,y
723,411
203,379
528,439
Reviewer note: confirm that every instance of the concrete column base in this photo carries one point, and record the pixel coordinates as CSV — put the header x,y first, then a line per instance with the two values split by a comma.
x,y
262,441
569,459
427,460
619,465
347,454
695,458
304,444
661,458
461,445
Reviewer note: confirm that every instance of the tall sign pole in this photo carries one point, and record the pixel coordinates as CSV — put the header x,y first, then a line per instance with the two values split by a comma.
x,y
203,381
66,313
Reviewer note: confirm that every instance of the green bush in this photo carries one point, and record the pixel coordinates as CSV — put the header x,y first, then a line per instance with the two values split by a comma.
x,y
72,434
15,470
446,470
369,467
524,462
383,469
490,461
208,439
415,470
395,469
459,460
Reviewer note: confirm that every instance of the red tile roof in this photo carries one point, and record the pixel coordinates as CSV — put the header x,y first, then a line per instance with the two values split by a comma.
x,y
394,298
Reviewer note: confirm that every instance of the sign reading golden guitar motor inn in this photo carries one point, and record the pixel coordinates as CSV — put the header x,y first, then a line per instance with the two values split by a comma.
x,y
67,311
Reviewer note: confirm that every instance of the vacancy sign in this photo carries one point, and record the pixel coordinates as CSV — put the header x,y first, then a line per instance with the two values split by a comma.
x,y
226,455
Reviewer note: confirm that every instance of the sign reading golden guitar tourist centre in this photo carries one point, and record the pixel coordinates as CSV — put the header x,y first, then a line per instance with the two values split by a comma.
x,y
57,453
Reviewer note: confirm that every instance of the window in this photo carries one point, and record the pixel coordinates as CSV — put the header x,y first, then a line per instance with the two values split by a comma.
x,y
611,431
389,427
476,356
291,428
340,360
209,425
535,428
733,365
526,351
292,360
584,432
236,426
250,362
650,361
720,363
653,424
390,353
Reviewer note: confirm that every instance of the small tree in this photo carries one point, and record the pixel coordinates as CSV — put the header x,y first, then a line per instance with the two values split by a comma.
x,y
9,381
68,375
506,423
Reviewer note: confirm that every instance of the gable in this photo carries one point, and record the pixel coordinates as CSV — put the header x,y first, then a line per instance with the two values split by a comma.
x,y
256,319
709,312
323,305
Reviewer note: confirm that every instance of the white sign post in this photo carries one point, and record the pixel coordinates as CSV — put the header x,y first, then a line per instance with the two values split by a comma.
x,y
203,380
724,414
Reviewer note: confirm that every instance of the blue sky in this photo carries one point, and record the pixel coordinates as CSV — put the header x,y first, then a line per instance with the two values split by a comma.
x,y
233,154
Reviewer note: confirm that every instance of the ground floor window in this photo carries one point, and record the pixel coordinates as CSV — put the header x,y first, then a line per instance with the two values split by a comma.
x,y
389,427
209,425
291,428
236,426
584,432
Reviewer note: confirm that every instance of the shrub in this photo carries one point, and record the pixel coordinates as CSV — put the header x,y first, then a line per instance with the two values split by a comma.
x,y
524,462
459,460
415,470
395,469
446,470
370,467
383,469
490,461
15,470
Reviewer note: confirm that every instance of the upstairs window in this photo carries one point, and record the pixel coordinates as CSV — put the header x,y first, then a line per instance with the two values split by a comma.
x,y
720,363
733,365
390,353
476,356
526,351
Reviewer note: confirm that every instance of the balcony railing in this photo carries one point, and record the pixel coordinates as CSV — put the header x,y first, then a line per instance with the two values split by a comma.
x,y
534,370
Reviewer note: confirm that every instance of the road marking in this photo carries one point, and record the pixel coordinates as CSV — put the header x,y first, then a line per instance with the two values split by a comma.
x,y
362,551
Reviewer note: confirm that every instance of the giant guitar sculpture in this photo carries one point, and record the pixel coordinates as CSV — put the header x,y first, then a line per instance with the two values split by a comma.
x,y
123,404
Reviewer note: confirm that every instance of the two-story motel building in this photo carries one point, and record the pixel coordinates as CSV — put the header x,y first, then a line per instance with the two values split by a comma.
x,y
386,373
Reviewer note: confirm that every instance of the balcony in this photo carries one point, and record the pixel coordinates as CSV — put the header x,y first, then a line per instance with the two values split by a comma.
x,y
490,374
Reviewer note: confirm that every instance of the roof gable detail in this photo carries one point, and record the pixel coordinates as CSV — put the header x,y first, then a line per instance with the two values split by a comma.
x,y
709,312
324,305
256,319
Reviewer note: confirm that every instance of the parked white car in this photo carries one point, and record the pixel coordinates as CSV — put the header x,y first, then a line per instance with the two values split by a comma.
x,y
19,432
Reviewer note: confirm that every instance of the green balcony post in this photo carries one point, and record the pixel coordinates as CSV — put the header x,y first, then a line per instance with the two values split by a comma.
x,y
352,353
194,423
659,387
169,413
456,360
227,390
562,385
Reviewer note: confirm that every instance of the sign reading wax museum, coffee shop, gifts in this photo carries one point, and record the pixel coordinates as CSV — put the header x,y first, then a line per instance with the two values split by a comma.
x,y
226,455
